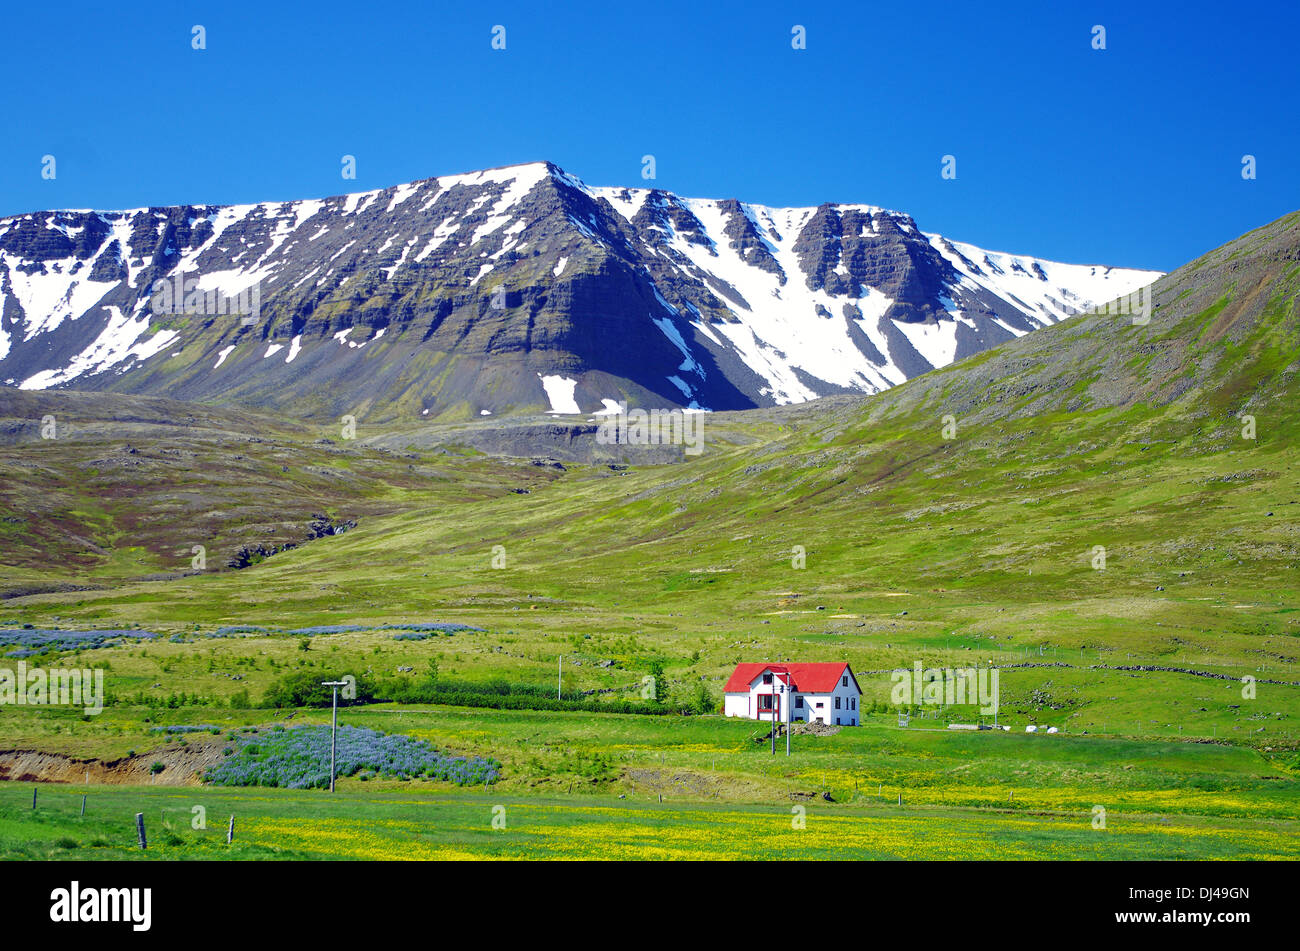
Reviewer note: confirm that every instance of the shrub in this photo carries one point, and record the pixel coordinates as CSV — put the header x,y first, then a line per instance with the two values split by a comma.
x,y
660,680
304,689
199,728
520,701
420,632
34,640
701,700
299,759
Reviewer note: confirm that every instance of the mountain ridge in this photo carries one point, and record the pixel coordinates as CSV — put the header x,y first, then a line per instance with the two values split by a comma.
x,y
512,290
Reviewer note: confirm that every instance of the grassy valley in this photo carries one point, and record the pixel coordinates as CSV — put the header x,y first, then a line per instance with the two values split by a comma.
x,y
1106,511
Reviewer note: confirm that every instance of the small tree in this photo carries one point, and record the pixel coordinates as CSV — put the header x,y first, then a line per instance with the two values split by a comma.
x,y
701,699
659,681
305,689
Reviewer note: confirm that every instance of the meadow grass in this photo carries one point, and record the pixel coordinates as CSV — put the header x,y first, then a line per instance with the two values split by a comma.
x,y
402,823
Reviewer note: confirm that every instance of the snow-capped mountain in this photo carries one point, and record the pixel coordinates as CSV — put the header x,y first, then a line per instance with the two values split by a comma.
x,y
509,290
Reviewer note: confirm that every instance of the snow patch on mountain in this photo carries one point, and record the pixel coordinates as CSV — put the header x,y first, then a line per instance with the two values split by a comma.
x,y
1046,291
559,393
122,339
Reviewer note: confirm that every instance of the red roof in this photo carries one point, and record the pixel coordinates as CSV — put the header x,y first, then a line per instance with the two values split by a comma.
x,y
808,678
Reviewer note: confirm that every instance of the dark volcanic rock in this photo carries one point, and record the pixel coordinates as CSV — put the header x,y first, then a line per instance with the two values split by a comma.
x,y
452,297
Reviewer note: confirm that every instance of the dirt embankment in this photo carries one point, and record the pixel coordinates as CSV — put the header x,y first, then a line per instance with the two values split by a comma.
x,y
692,785
182,766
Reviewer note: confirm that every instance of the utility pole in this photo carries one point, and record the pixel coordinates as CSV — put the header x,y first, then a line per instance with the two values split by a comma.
x,y
334,727
789,714
772,695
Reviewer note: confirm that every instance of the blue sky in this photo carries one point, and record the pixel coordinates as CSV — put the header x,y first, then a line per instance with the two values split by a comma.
x,y
1128,156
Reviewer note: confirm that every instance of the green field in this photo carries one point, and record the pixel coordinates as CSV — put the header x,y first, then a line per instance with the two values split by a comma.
x,y
1102,527
392,821
980,795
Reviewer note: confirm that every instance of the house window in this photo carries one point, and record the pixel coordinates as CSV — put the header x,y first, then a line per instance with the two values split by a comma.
x,y
765,701
853,703
798,703
837,703
837,721
767,678
844,682
820,704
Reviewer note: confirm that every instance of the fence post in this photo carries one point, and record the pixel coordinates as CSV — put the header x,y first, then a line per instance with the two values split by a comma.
x,y
230,830
33,797
83,804
139,828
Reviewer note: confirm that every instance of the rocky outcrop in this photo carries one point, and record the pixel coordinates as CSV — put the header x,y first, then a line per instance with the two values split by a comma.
x,y
456,296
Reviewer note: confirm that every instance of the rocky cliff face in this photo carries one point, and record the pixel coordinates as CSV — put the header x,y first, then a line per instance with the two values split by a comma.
x,y
505,291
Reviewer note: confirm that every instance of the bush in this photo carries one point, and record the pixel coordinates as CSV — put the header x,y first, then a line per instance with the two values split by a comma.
x,y
184,728
420,632
659,680
701,700
503,695
299,759
33,640
305,689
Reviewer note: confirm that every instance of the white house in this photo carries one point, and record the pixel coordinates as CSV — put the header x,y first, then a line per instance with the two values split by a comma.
x,y
825,692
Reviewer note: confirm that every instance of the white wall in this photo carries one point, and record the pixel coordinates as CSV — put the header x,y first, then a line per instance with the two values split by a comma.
x,y
736,705
850,699
848,714
746,704
758,688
